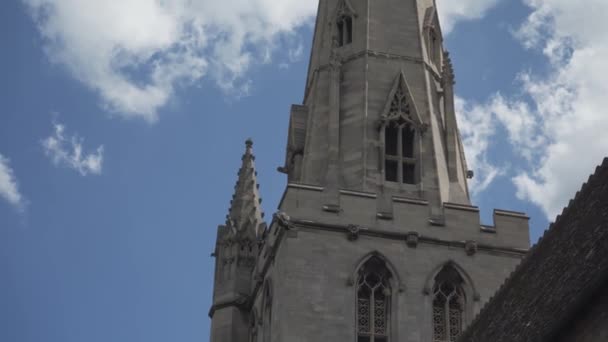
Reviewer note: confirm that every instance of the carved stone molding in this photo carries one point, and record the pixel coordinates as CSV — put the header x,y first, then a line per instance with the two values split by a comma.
x,y
412,239
470,247
282,219
353,232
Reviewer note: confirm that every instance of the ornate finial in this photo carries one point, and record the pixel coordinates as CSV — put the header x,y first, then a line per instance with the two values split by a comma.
x,y
248,149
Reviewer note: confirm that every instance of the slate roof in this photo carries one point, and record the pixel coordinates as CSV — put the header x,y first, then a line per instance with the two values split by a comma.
x,y
561,273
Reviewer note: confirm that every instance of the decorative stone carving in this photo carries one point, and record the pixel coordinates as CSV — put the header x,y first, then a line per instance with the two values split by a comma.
x,y
282,219
353,232
470,247
412,239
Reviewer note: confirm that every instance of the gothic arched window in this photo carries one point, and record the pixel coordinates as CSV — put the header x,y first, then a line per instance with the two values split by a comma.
x,y
373,301
400,162
448,305
345,30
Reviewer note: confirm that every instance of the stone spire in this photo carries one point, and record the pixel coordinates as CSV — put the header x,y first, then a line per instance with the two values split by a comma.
x,y
378,111
236,254
245,216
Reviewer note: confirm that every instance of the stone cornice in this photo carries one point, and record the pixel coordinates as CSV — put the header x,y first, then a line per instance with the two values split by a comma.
x,y
422,239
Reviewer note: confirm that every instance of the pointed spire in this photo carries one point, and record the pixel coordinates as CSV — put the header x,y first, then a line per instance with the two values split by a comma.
x,y
245,215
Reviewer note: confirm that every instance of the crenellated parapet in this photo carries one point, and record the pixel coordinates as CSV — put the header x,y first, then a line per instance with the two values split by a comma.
x,y
408,219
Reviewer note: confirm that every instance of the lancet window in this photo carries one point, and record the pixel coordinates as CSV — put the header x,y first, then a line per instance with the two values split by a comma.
x,y
373,302
345,29
448,305
399,135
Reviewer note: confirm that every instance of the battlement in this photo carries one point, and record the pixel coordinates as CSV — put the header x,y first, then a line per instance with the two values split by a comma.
x,y
452,222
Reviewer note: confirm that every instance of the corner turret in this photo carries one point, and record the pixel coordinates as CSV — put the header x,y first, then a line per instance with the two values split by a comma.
x,y
236,252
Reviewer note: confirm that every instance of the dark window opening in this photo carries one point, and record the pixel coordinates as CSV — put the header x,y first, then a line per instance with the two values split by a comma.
x,y
391,171
400,162
345,30
407,142
392,138
340,33
408,173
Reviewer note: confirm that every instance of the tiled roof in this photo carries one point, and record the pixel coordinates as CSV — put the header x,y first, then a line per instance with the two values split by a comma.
x,y
567,266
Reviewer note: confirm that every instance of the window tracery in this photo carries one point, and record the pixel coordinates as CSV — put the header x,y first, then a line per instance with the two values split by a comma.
x,y
448,305
344,23
373,306
400,162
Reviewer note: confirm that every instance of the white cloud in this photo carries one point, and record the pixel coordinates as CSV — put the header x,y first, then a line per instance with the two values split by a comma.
x,y
136,53
453,11
476,127
9,188
558,123
68,151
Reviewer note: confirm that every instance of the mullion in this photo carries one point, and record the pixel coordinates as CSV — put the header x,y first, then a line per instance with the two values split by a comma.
x,y
400,154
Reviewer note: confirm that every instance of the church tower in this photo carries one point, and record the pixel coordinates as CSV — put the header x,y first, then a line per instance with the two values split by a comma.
x,y
376,239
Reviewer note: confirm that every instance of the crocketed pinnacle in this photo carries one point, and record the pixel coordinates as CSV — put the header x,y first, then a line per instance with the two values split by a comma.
x,y
245,216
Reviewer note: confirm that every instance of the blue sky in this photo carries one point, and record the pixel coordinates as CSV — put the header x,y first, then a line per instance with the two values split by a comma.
x,y
110,199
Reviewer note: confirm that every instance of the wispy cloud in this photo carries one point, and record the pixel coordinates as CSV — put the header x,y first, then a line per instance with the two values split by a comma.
x,y
558,123
453,11
68,152
135,53
570,103
9,188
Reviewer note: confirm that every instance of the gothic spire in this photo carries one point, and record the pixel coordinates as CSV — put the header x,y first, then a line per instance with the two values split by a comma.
x,y
245,215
